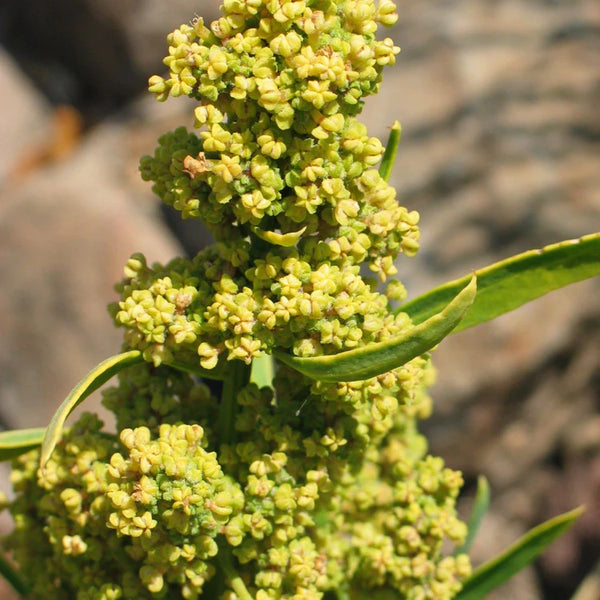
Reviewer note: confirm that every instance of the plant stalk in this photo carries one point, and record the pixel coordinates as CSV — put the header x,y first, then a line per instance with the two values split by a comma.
x,y
236,582
237,377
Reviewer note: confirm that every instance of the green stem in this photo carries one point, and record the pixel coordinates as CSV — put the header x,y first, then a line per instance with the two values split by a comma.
x,y
235,581
13,577
237,377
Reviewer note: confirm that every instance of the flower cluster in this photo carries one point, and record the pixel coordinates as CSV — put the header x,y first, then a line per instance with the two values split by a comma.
x,y
223,483
280,152
196,310
282,173
400,513
60,534
154,502
169,498
127,524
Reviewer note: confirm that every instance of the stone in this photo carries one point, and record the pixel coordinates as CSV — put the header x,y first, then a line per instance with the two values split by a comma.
x,y
65,233
24,118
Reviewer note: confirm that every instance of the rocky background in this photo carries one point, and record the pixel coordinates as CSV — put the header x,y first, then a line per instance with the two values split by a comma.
x,y
500,106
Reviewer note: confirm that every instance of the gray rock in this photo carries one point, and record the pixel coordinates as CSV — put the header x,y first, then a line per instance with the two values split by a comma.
x,y
24,118
65,234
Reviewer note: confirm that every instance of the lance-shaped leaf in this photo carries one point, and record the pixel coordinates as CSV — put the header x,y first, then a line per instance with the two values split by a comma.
x,y
374,359
479,510
89,384
506,285
389,156
495,572
17,442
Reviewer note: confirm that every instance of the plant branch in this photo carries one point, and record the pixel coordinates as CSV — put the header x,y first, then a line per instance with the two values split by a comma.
x,y
237,378
236,582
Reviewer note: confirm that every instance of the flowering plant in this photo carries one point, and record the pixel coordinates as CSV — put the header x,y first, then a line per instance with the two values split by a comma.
x,y
268,393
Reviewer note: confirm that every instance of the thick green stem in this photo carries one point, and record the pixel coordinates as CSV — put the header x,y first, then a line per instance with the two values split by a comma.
x,y
235,581
236,378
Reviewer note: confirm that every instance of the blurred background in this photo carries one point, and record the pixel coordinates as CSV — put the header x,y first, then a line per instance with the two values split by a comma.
x,y
500,106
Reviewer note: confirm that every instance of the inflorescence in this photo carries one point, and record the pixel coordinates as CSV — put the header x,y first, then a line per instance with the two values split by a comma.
x,y
318,490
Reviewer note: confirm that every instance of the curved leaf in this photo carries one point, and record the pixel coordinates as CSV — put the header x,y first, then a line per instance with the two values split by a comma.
x,y
374,359
479,510
287,240
495,572
89,384
391,149
18,441
506,285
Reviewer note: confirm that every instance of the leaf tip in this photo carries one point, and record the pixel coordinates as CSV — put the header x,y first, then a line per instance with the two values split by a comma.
x,y
473,283
577,511
467,295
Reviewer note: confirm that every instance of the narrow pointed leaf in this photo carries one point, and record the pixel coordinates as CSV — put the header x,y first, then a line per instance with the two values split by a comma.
x,y
506,285
89,384
17,442
12,576
480,507
391,149
374,359
497,571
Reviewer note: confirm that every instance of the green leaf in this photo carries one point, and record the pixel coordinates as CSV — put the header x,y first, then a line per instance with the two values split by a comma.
x,y
12,576
89,384
17,442
480,507
263,371
374,359
391,149
497,571
506,285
